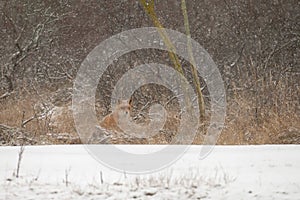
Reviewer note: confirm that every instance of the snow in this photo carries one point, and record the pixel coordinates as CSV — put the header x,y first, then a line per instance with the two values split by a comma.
x,y
229,172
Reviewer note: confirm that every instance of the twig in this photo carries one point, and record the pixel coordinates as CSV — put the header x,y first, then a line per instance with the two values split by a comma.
x,y
149,8
6,94
20,156
66,177
101,177
28,120
193,63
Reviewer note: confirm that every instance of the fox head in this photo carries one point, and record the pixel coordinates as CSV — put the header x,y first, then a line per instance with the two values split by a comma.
x,y
123,108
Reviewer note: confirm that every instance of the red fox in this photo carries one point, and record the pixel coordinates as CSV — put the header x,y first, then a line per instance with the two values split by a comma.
x,y
132,134
122,110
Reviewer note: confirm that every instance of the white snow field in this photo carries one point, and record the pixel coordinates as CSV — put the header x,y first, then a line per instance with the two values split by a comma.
x,y
229,172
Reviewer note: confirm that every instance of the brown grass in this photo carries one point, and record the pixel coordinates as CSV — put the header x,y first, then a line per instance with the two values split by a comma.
x,y
247,121
244,126
17,109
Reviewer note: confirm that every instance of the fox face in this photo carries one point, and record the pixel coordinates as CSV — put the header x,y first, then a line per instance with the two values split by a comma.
x,y
122,110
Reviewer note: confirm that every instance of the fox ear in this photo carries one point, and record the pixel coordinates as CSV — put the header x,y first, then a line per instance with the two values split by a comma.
x,y
130,101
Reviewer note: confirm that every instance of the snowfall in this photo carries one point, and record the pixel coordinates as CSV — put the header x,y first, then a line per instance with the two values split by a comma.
x,y
228,172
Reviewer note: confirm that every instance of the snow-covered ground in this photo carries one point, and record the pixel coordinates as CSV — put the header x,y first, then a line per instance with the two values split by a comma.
x,y
229,172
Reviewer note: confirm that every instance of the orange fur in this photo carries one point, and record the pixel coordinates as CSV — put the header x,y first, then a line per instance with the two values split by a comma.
x,y
122,109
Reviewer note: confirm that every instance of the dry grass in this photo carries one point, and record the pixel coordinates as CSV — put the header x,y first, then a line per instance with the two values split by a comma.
x,y
17,109
247,122
61,120
244,126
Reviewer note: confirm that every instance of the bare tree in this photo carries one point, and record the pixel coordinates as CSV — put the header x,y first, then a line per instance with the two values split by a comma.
x,y
29,30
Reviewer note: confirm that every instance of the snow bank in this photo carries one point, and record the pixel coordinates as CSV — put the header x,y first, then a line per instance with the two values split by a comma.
x,y
229,172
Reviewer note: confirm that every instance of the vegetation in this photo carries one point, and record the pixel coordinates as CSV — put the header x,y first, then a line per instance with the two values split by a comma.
x,y
255,45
